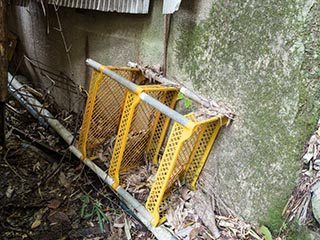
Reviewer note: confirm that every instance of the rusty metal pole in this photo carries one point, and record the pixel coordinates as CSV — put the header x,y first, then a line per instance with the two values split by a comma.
x,y
167,21
3,68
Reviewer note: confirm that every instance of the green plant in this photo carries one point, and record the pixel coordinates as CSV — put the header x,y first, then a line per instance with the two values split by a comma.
x,y
266,232
95,211
187,101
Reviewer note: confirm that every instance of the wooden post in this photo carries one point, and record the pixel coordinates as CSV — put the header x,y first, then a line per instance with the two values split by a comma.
x,y
3,68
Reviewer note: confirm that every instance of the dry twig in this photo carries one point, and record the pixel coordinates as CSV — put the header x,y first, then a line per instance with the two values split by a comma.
x,y
11,168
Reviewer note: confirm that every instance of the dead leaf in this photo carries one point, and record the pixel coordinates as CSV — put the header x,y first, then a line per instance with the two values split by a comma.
x,y
127,229
195,231
38,216
8,134
36,224
63,180
59,218
54,203
118,225
186,194
9,191
37,167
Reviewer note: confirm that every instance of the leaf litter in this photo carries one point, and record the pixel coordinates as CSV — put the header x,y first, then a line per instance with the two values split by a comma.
x,y
46,204
43,188
181,217
300,207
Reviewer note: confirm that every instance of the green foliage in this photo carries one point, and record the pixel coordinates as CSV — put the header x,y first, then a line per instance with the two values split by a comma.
x,y
96,210
187,101
180,96
266,232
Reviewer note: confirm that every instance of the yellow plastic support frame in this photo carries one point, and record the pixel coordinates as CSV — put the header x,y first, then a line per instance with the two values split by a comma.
x,y
132,100
120,145
178,136
159,130
96,79
200,153
86,124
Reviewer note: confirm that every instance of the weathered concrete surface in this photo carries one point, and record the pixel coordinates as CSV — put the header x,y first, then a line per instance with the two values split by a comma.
x,y
109,38
250,54
257,56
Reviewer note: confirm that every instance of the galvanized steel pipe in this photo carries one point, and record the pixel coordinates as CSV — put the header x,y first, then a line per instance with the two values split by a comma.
x,y
143,96
31,102
15,93
137,208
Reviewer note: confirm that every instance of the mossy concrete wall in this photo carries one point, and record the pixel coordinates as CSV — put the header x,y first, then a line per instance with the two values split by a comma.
x,y
259,57
251,55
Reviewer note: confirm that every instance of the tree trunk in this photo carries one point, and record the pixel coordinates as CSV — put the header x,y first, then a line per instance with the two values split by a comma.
x,y
3,68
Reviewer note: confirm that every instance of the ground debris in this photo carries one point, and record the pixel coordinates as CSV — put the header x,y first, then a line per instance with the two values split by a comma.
x,y
42,191
182,219
45,201
306,193
46,207
186,223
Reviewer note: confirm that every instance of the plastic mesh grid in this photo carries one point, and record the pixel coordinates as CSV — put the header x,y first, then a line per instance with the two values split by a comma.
x,y
200,153
103,108
139,136
135,131
184,157
160,129
163,174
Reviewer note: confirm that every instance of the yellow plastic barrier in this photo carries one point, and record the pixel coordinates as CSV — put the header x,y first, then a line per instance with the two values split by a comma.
x,y
184,157
142,130
104,108
139,117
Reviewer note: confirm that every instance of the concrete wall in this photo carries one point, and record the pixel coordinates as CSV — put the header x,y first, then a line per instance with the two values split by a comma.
x,y
249,54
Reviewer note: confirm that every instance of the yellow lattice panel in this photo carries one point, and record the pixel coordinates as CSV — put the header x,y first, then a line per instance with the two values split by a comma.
x,y
121,110
131,101
184,157
201,152
139,125
104,107
160,129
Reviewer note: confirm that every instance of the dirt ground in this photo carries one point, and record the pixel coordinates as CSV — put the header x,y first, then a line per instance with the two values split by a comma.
x,y
48,194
